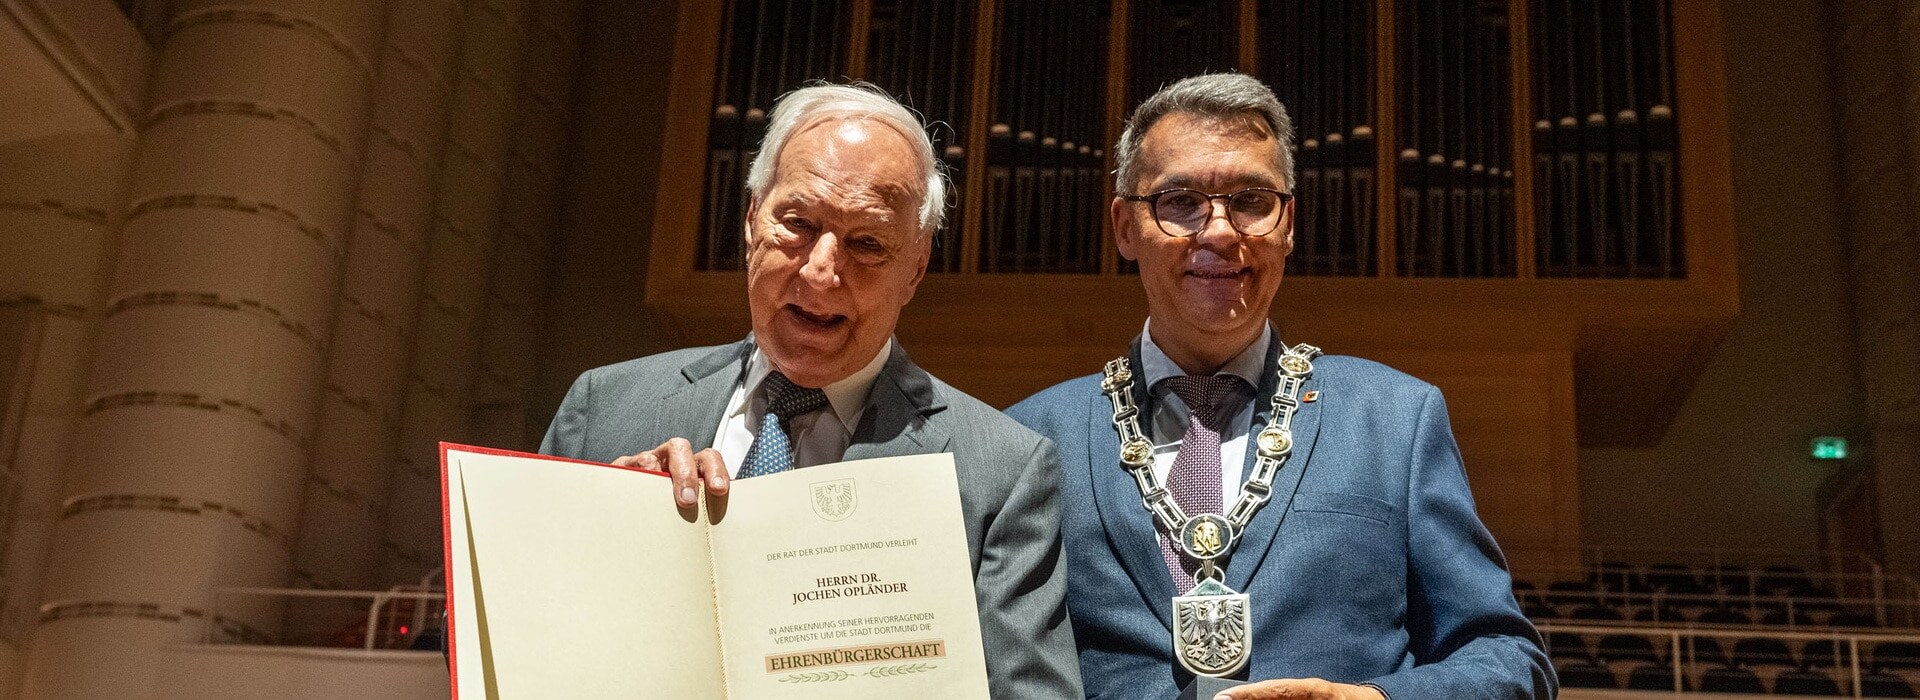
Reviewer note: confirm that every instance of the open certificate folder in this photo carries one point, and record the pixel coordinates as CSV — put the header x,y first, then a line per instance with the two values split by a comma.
x,y
579,580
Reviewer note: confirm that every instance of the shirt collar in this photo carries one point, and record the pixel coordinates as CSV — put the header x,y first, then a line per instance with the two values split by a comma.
x,y
1246,365
848,397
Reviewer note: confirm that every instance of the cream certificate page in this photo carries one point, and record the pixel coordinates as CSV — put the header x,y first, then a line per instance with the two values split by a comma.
x,y
578,580
849,580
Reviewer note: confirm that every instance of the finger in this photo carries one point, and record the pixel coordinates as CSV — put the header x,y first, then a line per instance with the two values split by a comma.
x,y
678,454
714,467
650,461
1278,689
627,461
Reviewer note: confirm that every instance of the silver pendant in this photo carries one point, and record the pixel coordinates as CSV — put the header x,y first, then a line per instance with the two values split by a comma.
x,y
1212,629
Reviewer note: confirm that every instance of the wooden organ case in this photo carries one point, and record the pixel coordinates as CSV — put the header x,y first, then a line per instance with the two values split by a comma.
x,y
1524,202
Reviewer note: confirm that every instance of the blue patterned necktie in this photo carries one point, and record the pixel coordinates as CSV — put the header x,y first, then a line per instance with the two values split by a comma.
x,y
1194,478
772,451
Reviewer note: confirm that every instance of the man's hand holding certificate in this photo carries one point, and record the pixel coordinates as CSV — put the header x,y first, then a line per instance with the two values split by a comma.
x,y
839,580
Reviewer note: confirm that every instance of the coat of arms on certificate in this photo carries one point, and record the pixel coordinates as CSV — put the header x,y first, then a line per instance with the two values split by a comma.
x,y
834,500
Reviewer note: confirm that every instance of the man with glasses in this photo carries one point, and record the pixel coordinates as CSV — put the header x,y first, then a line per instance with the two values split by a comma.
x,y
1234,506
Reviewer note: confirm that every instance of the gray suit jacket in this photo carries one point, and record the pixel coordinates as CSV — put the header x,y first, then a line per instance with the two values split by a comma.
x,y
1009,479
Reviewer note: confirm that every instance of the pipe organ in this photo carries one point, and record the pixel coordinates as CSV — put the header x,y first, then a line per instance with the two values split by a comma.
x,y
1317,56
1453,177
1434,138
1603,140
766,49
1546,280
1045,186
920,46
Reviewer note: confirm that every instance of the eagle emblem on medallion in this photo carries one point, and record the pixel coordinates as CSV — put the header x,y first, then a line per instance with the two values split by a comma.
x,y
1211,633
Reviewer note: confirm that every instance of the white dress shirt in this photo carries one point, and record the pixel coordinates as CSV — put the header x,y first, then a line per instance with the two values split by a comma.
x,y
1170,414
820,437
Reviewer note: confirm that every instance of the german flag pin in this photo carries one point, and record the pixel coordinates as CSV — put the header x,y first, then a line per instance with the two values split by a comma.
x,y
1311,396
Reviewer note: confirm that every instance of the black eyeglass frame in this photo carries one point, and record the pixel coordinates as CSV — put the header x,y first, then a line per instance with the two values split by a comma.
x,y
1153,207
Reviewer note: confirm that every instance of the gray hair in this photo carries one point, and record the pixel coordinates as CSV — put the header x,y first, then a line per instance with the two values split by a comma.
x,y
1215,95
820,100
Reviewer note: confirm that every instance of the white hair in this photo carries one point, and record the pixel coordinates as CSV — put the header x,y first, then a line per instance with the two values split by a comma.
x,y
860,100
1215,96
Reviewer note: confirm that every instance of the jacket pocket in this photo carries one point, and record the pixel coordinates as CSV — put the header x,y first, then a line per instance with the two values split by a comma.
x,y
1352,504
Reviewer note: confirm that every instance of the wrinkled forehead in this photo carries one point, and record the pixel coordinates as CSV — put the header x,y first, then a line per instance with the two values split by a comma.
x,y
852,149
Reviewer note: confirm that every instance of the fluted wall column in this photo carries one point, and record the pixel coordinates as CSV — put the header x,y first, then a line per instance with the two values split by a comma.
x,y
59,223
359,425
1878,89
192,451
446,344
518,287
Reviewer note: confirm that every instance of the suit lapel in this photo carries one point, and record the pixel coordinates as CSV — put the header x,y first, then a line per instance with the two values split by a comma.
x,y
1129,526
1265,526
899,416
693,412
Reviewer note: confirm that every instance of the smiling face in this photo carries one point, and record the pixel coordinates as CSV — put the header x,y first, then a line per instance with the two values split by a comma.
x,y
1216,286
835,250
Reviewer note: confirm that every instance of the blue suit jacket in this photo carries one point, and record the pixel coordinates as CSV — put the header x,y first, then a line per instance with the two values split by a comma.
x,y
1369,564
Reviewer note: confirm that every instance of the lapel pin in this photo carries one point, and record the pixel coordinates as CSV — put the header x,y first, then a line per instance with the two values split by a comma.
x,y
1311,396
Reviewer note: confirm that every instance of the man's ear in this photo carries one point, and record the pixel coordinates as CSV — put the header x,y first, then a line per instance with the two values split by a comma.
x,y
1125,235
926,258
746,224
1286,244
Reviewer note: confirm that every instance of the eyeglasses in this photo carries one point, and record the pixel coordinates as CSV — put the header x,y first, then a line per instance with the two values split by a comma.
x,y
1254,211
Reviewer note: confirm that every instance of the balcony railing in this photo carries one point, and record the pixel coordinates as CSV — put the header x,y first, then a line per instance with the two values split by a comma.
x,y
1687,658
370,620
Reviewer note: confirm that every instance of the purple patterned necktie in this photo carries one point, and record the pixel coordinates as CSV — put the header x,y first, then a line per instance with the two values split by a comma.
x,y
1195,476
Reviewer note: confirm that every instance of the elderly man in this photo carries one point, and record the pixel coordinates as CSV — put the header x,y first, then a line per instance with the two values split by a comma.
x,y
845,196
1365,573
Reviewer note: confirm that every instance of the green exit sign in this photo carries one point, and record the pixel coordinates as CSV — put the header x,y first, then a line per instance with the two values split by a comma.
x,y
1829,448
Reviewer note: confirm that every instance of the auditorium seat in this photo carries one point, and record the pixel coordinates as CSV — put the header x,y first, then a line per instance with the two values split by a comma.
x,y
1730,679
1705,650
1695,602
1587,674
1723,616
1783,578
1821,653
1627,647
1814,599
1571,593
1760,651
1852,619
1655,677
1764,605
1540,612
1805,682
1779,618
1733,580
1673,578
1662,573
1896,655
1617,577
1882,685
1567,645
1596,612
1664,613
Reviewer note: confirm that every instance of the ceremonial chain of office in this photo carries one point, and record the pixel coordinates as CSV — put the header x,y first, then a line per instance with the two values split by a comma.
x,y
1209,535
